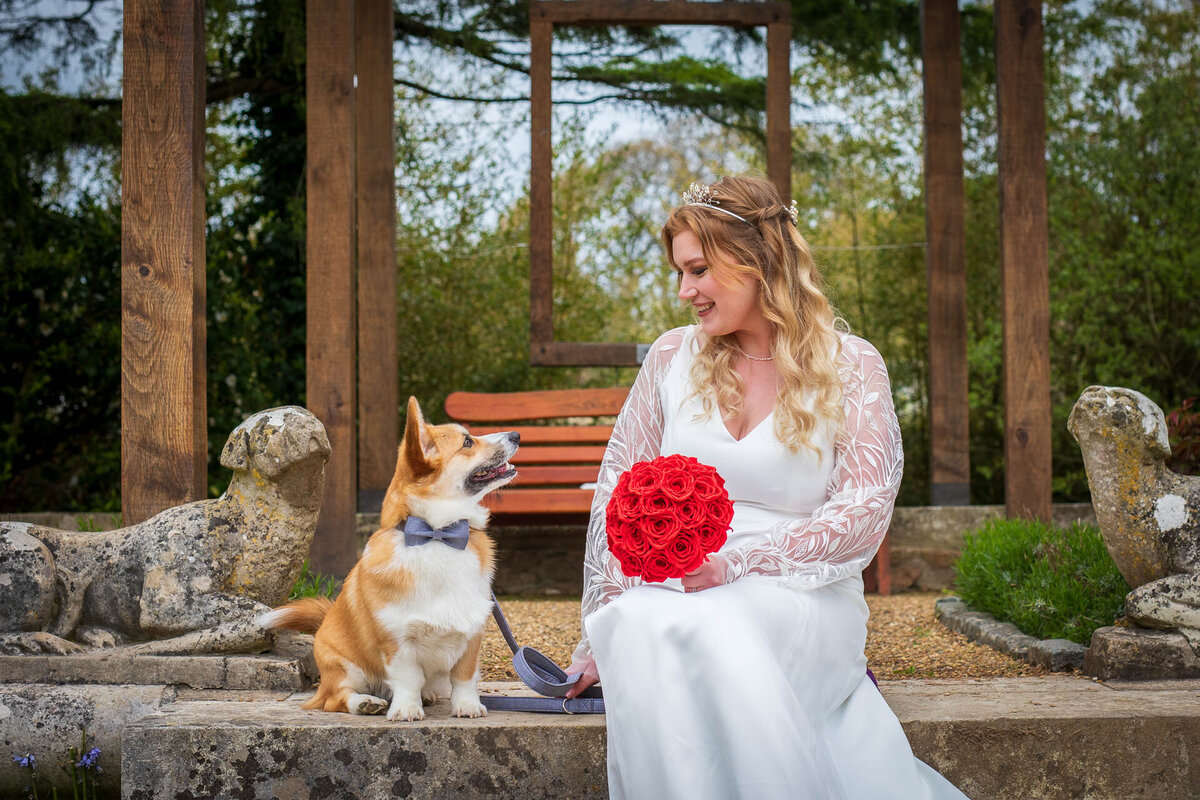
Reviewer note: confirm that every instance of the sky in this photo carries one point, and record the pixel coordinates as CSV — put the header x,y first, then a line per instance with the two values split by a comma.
x,y
16,67
607,123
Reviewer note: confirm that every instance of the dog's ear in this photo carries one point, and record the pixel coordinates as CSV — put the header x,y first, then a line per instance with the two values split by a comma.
x,y
418,447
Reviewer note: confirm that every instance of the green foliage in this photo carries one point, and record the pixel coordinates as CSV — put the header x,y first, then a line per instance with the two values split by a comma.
x,y
81,767
255,157
314,584
60,341
1123,223
1122,79
89,524
1053,583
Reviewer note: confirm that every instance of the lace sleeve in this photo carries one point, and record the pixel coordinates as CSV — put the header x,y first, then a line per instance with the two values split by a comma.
x,y
840,537
636,437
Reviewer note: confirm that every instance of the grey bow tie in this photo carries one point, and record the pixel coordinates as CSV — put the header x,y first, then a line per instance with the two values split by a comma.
x,y
417,532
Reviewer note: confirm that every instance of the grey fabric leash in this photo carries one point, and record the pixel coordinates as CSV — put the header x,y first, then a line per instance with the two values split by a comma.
x,y
544,677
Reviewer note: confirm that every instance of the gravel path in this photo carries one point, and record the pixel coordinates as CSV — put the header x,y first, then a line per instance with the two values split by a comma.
x,y
903,640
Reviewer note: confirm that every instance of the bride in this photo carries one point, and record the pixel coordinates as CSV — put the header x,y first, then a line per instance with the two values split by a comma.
x,y
747,679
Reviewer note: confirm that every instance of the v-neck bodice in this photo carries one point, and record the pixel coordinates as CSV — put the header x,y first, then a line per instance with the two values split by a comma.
x,y
770,416
767,482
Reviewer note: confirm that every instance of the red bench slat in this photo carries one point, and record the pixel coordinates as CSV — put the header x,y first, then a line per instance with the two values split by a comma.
x,y
551,434
558,455
511,406
540,501
568,475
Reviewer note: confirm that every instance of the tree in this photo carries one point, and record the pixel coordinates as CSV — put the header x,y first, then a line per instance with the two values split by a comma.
x,y
1121,88
59,257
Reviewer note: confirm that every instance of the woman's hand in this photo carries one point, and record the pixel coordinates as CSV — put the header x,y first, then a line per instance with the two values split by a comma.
x,y
585,681
709,574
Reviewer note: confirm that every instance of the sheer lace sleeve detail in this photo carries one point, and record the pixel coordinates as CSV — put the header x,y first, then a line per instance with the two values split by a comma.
x,y
636,437
840,537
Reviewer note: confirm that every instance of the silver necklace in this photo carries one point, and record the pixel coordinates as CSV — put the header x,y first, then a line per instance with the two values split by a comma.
x,y
753,358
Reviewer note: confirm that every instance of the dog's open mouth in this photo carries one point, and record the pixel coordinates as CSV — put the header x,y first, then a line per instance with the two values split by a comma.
x,y
488,475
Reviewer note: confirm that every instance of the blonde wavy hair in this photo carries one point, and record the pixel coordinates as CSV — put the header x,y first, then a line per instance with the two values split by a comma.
x,y
768,250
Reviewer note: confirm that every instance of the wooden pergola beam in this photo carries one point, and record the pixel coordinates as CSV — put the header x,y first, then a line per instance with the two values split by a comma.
x,y
543,16
657,12
164,418
375,160
945,254
1024,258
541,178
332,249
779,101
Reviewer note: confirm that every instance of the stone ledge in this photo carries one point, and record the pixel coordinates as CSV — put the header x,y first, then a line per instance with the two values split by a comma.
x,y
1128,652
199,672
280,750
1030,738
288,667
1056,655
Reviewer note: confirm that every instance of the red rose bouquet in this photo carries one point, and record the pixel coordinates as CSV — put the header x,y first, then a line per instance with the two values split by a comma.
x,y
665,516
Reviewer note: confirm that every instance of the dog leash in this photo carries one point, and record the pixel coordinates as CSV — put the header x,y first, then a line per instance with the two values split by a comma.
x,y
544,677
549,680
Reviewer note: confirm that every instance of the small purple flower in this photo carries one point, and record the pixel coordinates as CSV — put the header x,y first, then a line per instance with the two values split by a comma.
x,y
25,760
88,760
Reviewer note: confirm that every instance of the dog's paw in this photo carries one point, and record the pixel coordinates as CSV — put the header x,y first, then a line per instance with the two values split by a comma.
x,y
468,708
365,704
406,712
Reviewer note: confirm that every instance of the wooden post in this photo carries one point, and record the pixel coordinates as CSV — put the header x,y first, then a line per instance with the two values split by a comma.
x,y
331,251
543,16
378,383
945,254
1024,258
541,179
779,106
164,417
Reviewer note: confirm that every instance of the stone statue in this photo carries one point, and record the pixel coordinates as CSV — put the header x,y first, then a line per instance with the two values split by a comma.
x,y
191,579
1149,516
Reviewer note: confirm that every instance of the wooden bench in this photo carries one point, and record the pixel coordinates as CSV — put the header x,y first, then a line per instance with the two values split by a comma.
x,y
556,459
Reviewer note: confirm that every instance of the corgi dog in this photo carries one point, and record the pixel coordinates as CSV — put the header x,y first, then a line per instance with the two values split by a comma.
x,y
409,619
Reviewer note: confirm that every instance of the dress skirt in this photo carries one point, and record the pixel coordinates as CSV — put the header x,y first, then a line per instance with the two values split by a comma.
x,y
749,690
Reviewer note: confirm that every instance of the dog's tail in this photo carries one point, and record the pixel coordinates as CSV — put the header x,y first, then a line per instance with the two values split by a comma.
x,y
304,615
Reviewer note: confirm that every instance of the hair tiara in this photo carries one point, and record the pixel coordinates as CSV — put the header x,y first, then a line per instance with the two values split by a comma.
x,y
703,195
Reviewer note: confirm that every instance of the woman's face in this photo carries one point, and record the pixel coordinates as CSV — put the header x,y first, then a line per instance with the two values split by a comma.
x,y
722,308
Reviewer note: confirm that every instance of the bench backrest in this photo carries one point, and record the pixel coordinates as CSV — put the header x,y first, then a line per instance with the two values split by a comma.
x,y
558,457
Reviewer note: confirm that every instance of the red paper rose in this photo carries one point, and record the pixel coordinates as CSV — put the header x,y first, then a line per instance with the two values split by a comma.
x,y
634,541
665,516
652,505
692,512
629,506
679,485
645,480
660,530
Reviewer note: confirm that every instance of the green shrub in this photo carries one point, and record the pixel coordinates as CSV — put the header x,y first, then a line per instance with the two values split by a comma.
x,y
1053,583
314,584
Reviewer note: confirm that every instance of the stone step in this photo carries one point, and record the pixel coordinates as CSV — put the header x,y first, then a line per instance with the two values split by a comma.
x,y
1061,737
276,673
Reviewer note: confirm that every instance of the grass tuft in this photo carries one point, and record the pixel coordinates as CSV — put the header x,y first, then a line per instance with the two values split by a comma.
x,y
1053,583
314,584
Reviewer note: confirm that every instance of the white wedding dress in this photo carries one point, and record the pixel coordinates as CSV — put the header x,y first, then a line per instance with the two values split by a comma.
x,y
755,689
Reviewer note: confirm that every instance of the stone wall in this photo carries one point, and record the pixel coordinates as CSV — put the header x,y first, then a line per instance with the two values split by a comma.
x,y
546,560
925,540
